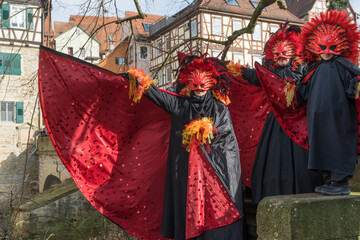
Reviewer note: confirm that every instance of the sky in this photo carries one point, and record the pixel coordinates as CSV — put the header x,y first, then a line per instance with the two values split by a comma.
x,y
63,8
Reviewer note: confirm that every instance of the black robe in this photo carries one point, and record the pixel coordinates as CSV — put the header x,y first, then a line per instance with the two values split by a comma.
x,y
331,116
223,157
280,165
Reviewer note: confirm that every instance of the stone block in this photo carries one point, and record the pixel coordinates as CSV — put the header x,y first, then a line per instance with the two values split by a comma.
x,y
355,181
309,216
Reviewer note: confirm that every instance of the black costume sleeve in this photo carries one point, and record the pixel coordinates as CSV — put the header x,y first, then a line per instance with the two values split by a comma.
x,y
350,81
249,74
164,100
302,92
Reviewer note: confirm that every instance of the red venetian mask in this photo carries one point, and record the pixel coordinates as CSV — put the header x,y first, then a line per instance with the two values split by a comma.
x,y
200,80
283,49
328,39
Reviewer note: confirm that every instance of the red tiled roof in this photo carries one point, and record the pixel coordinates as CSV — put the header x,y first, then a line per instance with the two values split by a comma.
x,y
245,7
138,27
109,62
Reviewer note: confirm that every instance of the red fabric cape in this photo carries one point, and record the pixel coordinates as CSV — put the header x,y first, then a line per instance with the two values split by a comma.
x,y
116,150
249,109
293,121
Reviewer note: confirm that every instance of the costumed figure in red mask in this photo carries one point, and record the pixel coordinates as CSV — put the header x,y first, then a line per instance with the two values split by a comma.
x,y
331,40
325,118
280,165
167,167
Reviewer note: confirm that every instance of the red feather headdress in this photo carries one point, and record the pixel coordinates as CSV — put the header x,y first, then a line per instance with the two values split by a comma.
x,y
331,33
203,73
283,44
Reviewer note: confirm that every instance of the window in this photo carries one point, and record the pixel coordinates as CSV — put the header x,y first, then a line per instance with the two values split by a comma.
x,y
7,111
238,57
237,25
10,64
120,61
5,14
255,4
82,53
167,74
215,53
257,33
320,4
143,53
146,27
151,52
131,53
160,78
167,43
216,26
70,51
257,58
193,28
232,3
273,29
158,47
18,17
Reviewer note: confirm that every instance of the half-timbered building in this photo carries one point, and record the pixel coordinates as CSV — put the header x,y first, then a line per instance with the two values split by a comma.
x,y
21,34
216,20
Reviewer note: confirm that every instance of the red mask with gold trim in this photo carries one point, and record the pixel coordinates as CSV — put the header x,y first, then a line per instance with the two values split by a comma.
x,y
283,49
200,80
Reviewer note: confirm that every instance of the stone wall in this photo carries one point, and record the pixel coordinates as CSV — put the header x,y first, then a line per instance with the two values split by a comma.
x,y
63,212
49,163
14,136
309,216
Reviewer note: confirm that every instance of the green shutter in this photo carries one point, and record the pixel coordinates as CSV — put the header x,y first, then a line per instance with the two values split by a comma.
x,y
1,63
15,64
29,19
5,14
19,112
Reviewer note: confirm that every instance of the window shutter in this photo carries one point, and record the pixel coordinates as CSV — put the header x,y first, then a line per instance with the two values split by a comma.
x,y
5,14
19,112
29,19
2,63
16,64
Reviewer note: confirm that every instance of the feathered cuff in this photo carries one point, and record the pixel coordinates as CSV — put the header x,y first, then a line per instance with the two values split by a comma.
x,y
236,68
199,131
222,97
290,89
139,82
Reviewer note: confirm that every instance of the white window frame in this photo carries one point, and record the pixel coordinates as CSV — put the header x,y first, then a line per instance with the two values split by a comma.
x,y
120,61
160,77
167,43
141,56
167,75
193,28
238,56
256,58
237,25
158,47
6,112
273,29
257,35
215,53
82,53
216,29
18,17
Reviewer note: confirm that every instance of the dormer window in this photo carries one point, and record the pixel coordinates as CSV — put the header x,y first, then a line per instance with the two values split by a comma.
x,y
256,3
146,27
232,3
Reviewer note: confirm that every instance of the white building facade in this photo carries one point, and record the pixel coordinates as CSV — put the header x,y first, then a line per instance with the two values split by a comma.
x,y
78,43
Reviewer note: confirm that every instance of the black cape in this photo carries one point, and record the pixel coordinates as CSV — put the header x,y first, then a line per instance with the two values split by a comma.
x,y
280,165
223,157
332,116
